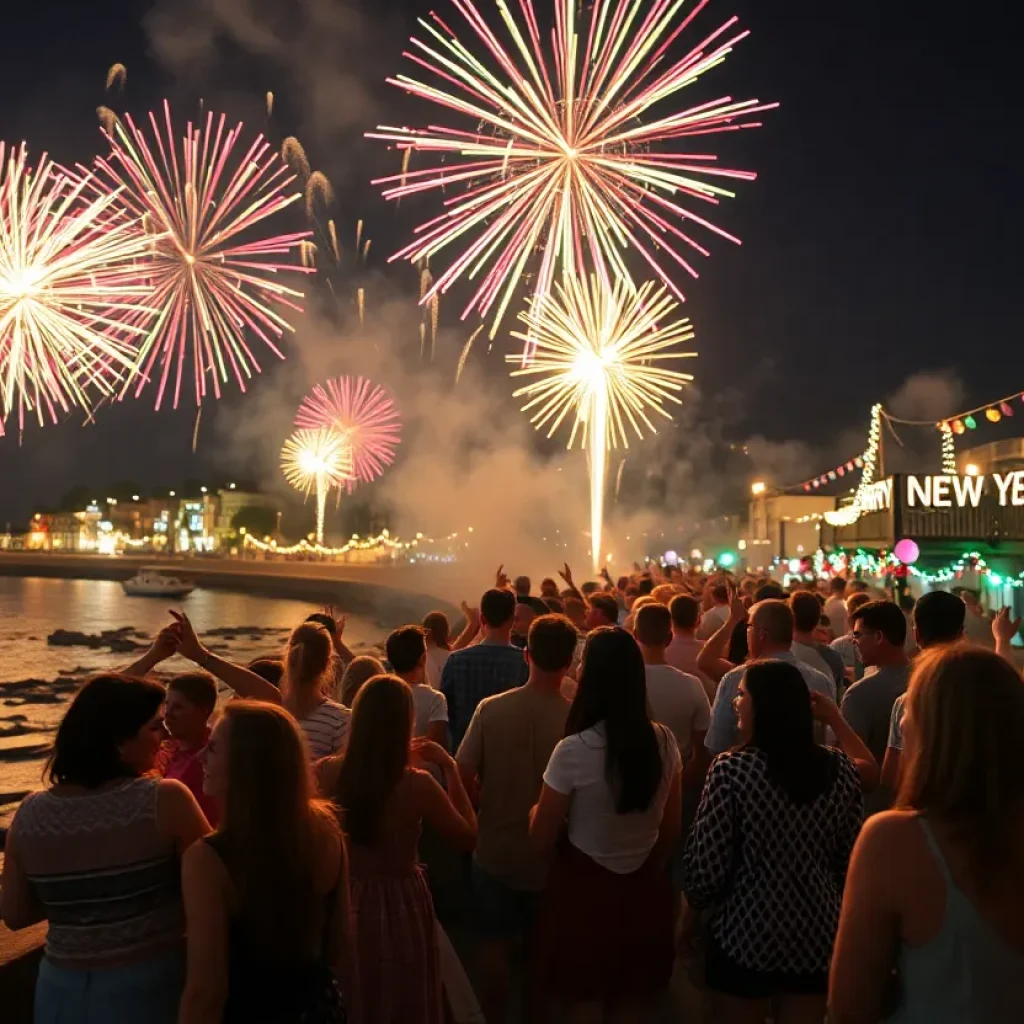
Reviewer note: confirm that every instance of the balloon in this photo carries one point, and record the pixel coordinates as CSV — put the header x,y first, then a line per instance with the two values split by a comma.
x,y
907,551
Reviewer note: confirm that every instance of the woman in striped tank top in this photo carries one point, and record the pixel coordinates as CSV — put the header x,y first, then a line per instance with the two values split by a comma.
x,y
97,856
308,677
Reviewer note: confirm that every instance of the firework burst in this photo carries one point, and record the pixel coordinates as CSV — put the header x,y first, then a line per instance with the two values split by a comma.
x,y
571,149
362,412
596,362
314,461
68,284
214,275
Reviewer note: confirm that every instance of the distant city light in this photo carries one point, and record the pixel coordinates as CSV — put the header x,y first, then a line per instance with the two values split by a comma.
x,y
757,487
971,469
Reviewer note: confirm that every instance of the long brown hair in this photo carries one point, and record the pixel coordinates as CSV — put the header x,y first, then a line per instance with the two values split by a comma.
x,y
376,757
269,828
436,625
965,707
307,659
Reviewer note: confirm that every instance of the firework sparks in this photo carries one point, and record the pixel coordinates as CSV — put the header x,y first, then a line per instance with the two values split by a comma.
x,y
314,461
270,104
318,189
212,288
362,412
117,75
565,154
68,284
596,360
294,156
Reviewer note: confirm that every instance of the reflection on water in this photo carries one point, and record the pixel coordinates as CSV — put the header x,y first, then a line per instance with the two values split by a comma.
x,y
31,609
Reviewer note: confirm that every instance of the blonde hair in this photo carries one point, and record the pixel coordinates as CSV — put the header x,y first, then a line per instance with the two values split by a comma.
x,y
965,707
307,657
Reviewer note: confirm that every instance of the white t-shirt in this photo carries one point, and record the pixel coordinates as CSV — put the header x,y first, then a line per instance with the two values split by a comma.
x,y
712,621
326,729
618,842
436,657
677,699
835,609
428,705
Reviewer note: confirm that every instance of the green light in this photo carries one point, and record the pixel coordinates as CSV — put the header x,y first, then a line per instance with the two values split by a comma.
x,y
995,579
970,422
726,559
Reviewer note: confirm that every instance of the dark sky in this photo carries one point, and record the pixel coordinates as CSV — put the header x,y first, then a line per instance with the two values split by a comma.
x,y
880,240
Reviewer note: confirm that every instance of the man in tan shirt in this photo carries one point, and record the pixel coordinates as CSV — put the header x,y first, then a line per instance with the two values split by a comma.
x,y
502,761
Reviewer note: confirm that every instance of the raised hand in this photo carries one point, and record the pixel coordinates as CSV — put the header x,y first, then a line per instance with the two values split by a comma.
x,y
501,581
566,573
188,643
1004,629
165,644
430,752
824,709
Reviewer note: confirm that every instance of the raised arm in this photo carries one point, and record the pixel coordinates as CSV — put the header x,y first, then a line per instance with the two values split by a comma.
x,y
470,630
566,573
826,710
1004,629
19,907
450,813
241,680
712,660
162,648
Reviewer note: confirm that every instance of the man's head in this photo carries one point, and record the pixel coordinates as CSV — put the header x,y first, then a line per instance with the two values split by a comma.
x,y
590,587
939,619
855,601
856,587
191,698
769,592
770,629
524,615
576,612
685,613
720,594
806,610
406,650
521,585
548,587
879,629
497,607
653,626
602,610
837,587
664,592
551,644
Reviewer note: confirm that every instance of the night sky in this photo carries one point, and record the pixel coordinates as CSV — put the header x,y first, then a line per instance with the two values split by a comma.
x,y
880,240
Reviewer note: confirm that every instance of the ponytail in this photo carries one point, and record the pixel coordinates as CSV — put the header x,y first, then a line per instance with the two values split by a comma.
x,y
307,657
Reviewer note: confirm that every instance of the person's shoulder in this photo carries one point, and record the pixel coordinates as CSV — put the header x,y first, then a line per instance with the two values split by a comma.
x,y
815,677
890,831
846,768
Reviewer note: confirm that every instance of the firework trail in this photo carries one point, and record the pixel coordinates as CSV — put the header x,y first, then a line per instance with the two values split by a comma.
x,y
364,414
315,461
596,362
465,353
215,275
571,148
318,188
270,104
69,287
294,156
117,75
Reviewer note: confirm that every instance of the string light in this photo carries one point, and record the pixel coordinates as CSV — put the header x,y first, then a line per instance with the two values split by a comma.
x,y
948,449
383,540
848,515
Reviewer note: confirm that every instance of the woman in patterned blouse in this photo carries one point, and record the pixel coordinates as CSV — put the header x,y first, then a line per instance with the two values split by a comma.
x,y
769,849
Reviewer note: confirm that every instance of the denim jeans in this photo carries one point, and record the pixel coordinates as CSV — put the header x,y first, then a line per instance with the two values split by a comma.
x,y
144,993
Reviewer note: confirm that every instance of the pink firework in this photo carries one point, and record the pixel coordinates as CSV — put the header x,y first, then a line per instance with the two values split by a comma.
x,y
215,274
364,412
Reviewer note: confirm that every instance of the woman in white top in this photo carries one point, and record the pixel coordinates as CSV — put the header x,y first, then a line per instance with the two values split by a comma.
x,y
436,631
603,941
308,674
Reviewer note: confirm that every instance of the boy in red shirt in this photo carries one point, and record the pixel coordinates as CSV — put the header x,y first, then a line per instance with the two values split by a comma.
x,y
190,702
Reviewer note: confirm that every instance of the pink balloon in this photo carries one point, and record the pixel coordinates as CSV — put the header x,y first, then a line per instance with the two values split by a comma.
x,y
907,551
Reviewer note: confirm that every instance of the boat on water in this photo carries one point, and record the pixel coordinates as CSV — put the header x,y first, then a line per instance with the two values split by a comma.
x,y
152,583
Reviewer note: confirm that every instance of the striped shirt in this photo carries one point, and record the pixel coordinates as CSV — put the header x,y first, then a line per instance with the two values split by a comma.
x,y
326,729
107,878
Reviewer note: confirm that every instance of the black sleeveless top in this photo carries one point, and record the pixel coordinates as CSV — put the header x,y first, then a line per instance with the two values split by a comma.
x,y
273,990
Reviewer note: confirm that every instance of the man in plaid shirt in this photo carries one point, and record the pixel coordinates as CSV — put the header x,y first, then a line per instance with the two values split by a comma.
x,y
489,667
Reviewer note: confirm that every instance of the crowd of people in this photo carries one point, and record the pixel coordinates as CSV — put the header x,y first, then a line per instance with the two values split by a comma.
x,y
809,801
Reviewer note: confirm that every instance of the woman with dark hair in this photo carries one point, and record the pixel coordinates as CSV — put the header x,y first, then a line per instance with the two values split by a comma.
x,y
932,927
604,929
96,855
769,848
266,895
390,970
